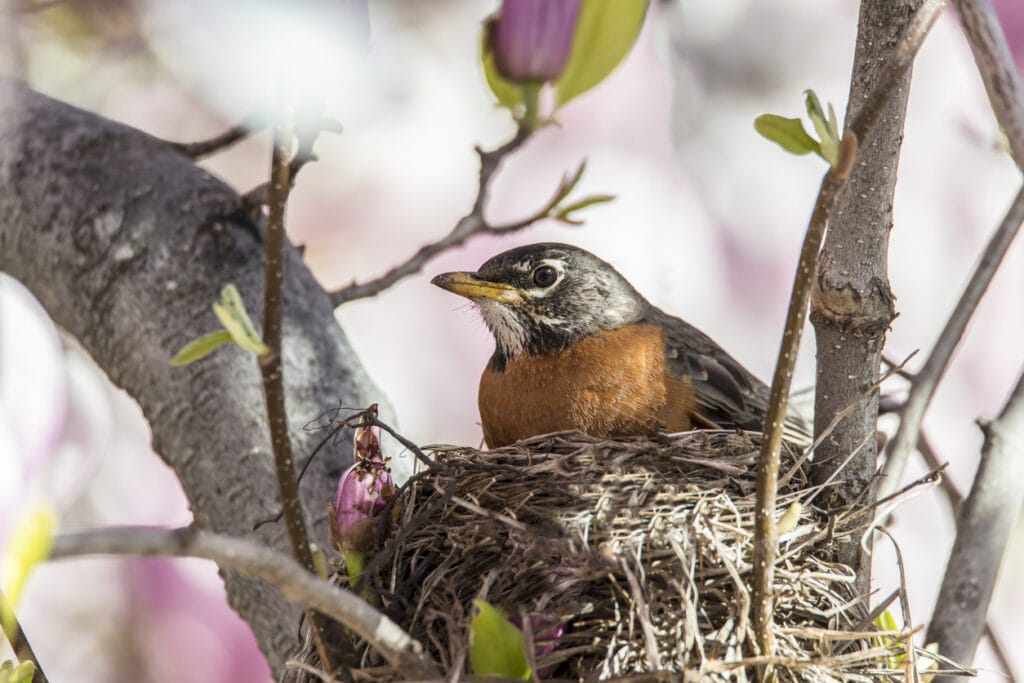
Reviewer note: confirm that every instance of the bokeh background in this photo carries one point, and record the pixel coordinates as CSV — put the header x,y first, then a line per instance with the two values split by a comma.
x,y
707,223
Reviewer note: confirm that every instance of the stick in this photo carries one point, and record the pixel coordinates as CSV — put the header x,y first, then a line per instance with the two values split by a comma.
x,y
252,559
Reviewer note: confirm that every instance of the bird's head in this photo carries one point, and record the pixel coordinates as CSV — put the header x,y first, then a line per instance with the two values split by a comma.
x,y
540,298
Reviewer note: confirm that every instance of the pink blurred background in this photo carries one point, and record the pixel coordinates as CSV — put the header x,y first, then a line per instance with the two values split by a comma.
x,y
707,223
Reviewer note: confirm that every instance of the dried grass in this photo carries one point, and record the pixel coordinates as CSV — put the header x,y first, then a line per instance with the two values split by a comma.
x,y
642,547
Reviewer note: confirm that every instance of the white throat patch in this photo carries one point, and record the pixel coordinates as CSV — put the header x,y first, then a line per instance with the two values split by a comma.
x,y
506,328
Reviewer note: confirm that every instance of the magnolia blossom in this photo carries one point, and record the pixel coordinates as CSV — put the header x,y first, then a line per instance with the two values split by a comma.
x,y
531,39
363,491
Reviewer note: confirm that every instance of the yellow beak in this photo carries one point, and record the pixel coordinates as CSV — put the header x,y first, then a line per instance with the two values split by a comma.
x,y
472,287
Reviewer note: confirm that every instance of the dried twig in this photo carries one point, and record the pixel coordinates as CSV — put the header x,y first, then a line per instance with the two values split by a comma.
x,y
927,378
474,223
904,604
252,559
236,133
931,458
766,539
997,69
984,523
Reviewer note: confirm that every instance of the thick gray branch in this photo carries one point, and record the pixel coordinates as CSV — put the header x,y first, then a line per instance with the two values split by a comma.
x,y
127,243
983,529
852,304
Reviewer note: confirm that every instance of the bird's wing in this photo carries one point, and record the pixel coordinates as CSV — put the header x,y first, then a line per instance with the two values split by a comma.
x,y
728,395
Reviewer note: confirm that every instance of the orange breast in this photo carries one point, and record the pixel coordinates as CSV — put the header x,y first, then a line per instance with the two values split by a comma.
x,y
611,384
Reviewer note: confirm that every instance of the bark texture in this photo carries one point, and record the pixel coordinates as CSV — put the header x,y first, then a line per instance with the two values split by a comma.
x,y
984,525
852,303
127,243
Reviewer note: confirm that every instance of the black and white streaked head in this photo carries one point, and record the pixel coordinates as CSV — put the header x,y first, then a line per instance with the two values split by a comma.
x,y
541,298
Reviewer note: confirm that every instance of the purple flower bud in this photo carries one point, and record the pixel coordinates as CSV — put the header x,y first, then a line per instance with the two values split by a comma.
x,y
546,634
363,491
531,39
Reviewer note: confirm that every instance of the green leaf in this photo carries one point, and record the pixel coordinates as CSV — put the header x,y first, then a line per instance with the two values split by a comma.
x,y
564,214
235,319
886,621
787,133
197,348
22,673
605,31
496,645
826,132
508,94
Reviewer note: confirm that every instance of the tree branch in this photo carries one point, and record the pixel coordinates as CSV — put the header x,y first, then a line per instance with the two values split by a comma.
x,y
984,524
126,243
252,559
852,303
270,362
880,97
954,499
270,369
203,148
997,69
926,380
471,224
766,536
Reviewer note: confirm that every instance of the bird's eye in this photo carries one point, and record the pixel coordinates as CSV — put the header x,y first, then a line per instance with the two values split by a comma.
x,y
545,276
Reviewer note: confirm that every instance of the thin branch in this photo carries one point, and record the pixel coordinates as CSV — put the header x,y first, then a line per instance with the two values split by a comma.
x,y
278,570
270,363
1000,652
984,524
766,536
897,368
927,379
471,224
307,134
765,532
203,148
19,641
932,460
271,370
954,499
997,69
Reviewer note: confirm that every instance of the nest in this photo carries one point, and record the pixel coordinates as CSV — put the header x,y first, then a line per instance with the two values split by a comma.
x,y
643,549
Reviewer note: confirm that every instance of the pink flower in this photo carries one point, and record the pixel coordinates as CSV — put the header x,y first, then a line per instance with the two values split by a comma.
x,y
363,490
532,38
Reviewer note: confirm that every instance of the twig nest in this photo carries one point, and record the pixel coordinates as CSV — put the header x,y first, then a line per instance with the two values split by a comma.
x,y
641,549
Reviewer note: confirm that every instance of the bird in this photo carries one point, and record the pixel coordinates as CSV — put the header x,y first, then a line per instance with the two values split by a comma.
x,y
577,347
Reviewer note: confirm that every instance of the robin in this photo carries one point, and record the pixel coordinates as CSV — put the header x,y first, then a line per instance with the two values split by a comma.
x,y
577,347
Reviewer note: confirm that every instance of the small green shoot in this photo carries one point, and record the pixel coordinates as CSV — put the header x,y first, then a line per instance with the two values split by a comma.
x,y
238,329
792,137
21,673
